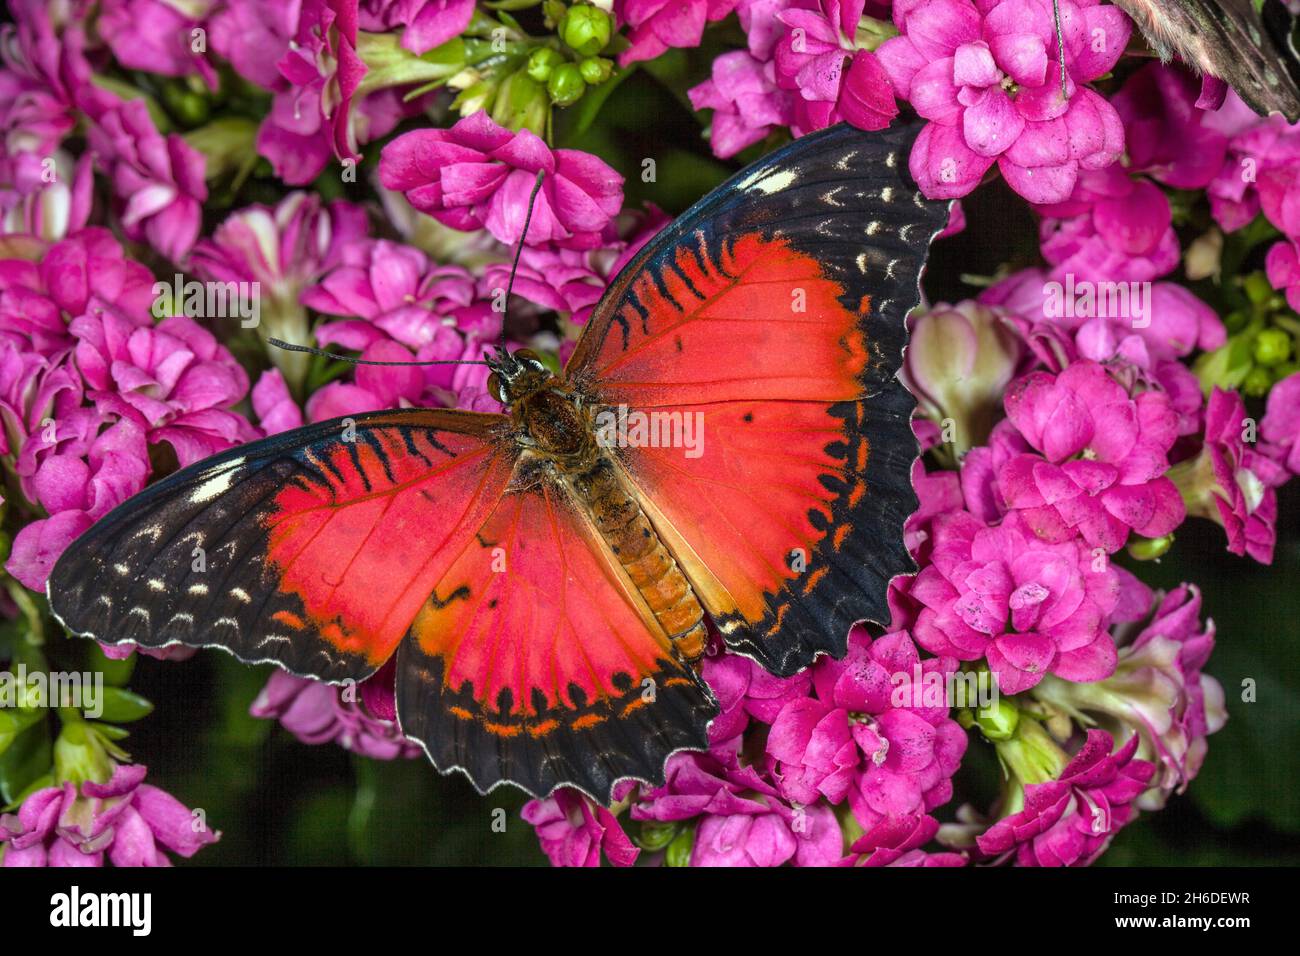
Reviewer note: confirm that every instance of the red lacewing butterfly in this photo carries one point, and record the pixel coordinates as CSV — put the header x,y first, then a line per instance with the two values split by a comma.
x,y
542,586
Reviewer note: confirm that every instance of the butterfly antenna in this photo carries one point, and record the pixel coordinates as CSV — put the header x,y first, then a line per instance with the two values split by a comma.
x,y
290,347
1060,44
514,266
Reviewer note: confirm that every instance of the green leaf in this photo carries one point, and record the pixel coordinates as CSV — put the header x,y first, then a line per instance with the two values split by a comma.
x,y
28,757
122,706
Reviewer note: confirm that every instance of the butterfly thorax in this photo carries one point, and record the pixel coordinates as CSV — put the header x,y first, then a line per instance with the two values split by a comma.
x,y
553,424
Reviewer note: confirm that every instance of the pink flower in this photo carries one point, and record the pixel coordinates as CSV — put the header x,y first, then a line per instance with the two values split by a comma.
x,y
1149,328
173,380
274,407
1261,160
310,118
283,248
47,210
896,841
744,691
1071,820
1114,227
811,57
763,29
746,101
318,713
1282,265
306,54
574,830
1158,692
1100,471
1231,482
252,35
46,78
64,280
656,25
426,23
741,819
154,36
80,480
378,387
157,179
990,84
959,361
478,175
125,819
1166,136
1026,606
903,747
397,294
1280,427
1177,743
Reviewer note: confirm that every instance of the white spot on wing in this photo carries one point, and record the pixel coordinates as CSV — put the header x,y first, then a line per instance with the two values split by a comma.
x,y
217,484
768,181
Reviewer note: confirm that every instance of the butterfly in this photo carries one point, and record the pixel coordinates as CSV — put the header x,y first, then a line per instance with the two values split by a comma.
x,y
1249,44
542,576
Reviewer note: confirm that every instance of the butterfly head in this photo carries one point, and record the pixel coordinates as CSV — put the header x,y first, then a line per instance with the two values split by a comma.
x,y
515,375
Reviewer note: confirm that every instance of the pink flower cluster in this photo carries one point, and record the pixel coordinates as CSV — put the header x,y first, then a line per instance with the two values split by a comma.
x,y
88,383
123,821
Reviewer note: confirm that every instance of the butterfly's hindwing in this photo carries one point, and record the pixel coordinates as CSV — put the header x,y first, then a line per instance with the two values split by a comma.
x,y
534,661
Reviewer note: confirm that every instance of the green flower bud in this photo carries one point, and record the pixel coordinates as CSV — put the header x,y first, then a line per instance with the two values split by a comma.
x,y
1257,288
565,85
586,29
542,61
1272,347
188,107
1149,549
1030,754
655,836
596,70
80,754
521,103
999,721
679,851
1257,382
553,12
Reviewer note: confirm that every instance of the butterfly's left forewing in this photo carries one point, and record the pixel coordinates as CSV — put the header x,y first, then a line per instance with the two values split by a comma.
x,y
313,549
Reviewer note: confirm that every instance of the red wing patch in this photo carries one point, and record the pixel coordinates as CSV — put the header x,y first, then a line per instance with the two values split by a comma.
x,y
534,660
760,322
363,538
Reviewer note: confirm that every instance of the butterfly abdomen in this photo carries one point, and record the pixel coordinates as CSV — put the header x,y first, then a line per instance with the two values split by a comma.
x,y
649,565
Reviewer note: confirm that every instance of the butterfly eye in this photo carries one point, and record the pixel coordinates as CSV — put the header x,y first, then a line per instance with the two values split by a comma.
x,y
496,389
